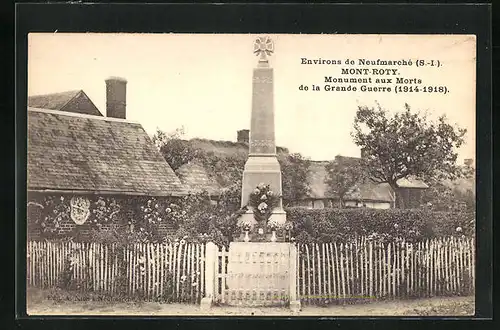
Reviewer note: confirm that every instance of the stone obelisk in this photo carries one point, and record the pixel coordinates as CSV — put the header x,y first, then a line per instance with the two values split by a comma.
x,y
262,165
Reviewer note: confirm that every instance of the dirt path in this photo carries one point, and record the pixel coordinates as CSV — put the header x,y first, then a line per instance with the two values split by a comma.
x,y
449,306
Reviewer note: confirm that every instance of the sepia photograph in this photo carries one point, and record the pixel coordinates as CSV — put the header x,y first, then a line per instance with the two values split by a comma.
x,y
251,174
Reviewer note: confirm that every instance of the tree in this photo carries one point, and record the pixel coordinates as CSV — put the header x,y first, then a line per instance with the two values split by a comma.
x,y
294,169
227,170
343,174
406,144
174,149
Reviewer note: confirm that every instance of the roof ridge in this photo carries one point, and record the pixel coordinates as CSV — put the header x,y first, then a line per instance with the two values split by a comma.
x,y
55,93
81,115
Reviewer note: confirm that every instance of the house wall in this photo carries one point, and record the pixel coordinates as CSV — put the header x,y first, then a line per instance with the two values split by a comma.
x,y
58,205
412,197
303,203
327,203
371,205
313,203
378,205
318,204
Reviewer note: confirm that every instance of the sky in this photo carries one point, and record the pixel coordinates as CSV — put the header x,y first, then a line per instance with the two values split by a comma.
x,y
204,82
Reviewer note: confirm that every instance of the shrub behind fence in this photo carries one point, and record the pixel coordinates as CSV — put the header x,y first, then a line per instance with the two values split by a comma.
x,y
164,272
364,270
330,225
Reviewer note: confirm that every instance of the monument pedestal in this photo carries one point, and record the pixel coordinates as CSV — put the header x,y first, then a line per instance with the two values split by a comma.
x,y
261,169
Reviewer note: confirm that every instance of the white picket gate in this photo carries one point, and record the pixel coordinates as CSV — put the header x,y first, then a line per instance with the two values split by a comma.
x,y
252,274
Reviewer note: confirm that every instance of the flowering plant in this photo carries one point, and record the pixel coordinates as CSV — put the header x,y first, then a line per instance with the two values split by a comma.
x,y
273,225
288,226
47,214
245,226
104,211
153,213
263,200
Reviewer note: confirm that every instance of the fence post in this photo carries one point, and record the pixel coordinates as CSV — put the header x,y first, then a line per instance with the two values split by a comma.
x,y
210,270
294,301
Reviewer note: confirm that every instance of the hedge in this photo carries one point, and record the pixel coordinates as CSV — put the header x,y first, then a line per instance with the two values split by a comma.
x,y
329,224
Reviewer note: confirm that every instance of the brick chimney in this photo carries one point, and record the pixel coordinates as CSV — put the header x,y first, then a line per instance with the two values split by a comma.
x,y
116,97
244,135
469,162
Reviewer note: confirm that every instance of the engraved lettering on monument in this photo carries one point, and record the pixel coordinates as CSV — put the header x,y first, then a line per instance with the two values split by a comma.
x,y
265,80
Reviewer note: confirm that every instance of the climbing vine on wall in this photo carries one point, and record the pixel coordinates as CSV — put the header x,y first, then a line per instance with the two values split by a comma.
x,y
194,218
48,214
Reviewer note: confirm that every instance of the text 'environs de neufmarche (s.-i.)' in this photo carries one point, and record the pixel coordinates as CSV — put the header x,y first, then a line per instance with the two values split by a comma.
x,y
367,62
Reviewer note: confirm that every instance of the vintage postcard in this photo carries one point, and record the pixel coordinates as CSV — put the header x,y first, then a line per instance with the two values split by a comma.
x,y
241,174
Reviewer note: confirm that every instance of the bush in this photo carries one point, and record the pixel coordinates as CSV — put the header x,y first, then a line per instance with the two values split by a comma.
x,y
329,225
206,221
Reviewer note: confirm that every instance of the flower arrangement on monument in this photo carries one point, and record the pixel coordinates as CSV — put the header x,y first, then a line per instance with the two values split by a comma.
x,y
273,225
263,201
246,226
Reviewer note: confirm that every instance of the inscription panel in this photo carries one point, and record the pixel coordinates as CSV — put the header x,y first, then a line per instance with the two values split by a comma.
x,y
258,274
263,79
262,146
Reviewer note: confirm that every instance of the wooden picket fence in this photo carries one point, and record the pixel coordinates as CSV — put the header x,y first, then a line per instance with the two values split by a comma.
x,y
364,270
172,272
326,273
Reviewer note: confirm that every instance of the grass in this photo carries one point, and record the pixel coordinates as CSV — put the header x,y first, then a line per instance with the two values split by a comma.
x,y
453,308
40,303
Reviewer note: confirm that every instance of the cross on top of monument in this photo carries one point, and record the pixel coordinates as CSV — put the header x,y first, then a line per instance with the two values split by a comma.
x,y
264,47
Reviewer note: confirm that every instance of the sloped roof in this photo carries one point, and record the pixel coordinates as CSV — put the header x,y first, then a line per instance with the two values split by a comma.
x,y
366,190
411,183
54,101
369,191
72,101
462,184
196,178
408,182
76,152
